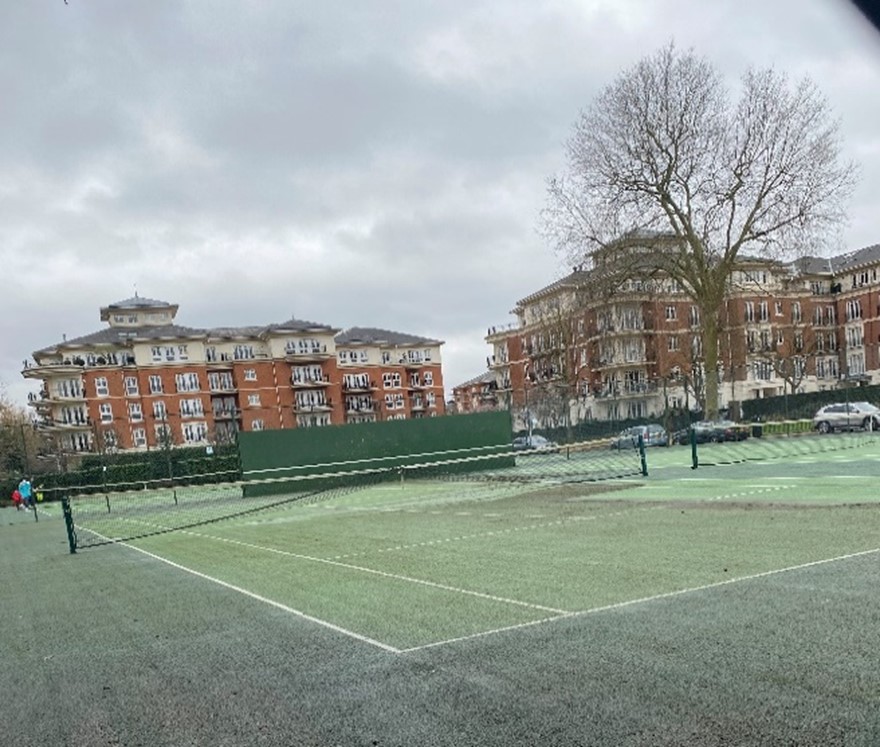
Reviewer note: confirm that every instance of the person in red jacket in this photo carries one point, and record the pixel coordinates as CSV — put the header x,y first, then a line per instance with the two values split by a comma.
x,y
16,499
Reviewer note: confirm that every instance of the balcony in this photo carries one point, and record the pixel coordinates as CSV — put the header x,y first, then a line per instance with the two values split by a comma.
x,y
407,363
639,389
307,353
59,425
226,413
350,387
317,406
33,370
360,409
309,382
223,362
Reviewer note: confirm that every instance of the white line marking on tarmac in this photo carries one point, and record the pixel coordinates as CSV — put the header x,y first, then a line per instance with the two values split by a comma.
x,y
653,598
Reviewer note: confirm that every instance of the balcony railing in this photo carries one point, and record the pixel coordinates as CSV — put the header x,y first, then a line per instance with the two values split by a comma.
x,y
318,406
307,382
365,386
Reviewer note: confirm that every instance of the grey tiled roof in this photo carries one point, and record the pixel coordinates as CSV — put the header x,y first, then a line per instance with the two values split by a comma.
x,y
484,378
371,335
121,335
137,302
235,332
298,325
869,255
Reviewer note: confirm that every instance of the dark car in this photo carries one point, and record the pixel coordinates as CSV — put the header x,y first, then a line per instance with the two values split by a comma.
x,y
712,431
534,443
652,435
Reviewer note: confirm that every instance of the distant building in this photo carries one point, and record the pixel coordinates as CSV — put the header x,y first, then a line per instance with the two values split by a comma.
x,y
602,343
145,381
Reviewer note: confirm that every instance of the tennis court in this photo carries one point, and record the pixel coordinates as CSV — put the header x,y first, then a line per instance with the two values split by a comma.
x,y
725,605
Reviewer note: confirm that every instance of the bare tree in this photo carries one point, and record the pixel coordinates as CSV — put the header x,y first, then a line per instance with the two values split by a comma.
x,y
666,148
558,360
19,440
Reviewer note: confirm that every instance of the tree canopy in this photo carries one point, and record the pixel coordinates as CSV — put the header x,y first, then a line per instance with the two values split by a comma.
x,y
667,147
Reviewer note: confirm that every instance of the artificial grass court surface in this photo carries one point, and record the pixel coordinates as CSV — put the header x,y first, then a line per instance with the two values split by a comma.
x,y
424,618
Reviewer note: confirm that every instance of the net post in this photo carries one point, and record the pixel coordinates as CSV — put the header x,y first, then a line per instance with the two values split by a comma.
x,y
104,485
642,456
68,523
694,461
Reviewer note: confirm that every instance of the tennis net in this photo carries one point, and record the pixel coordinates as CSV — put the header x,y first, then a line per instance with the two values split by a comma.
x,y
778,441
106,514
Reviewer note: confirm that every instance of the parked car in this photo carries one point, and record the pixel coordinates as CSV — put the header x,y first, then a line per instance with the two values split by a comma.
x,y
534,443
712,431
652,435
847,416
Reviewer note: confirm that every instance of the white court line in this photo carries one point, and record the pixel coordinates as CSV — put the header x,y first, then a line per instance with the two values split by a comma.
x,y
644,600
266,600
384,574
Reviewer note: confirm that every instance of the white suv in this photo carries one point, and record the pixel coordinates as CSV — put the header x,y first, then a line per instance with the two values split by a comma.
x,y
847,416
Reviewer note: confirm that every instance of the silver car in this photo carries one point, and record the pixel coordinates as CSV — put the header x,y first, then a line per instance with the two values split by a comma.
x,y
847,416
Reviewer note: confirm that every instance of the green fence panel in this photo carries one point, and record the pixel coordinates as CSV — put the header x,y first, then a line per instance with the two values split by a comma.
x,y
344,451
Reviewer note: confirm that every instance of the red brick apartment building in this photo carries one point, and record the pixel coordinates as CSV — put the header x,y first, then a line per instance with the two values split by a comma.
x,y
145,381
585,348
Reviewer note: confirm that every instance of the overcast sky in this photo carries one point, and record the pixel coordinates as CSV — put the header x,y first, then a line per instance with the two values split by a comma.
x,y
368,163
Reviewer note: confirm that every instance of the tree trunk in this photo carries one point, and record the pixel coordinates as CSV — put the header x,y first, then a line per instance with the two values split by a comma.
x,y
710,362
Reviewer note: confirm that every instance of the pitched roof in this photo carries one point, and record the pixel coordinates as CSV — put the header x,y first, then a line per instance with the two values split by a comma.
x,y
484,378
371,335
122,335
138,302
299,325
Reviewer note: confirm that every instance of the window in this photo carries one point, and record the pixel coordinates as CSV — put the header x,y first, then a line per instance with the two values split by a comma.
x,y
672,342
853,309
164,434
135,413
194,432
671,315
429,377
220,381
156,353
139,437
106,411
777,308
694,316
182,353
749,311
386,356
257,425
101,387
131,386
763,315
391,380
796,312
254,400
155,384
191,408
159,410
243,352
250,374
110,440
187,382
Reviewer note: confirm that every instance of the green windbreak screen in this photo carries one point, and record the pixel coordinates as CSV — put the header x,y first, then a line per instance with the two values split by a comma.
x,y
364,447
